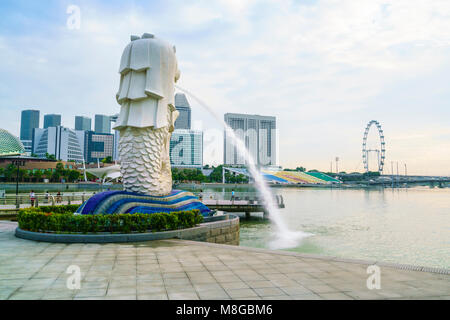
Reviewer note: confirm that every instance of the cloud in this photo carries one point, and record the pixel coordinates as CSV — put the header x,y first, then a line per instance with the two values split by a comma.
x,y
324,68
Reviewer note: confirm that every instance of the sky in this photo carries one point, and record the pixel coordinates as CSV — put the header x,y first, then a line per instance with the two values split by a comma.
x,y
323,68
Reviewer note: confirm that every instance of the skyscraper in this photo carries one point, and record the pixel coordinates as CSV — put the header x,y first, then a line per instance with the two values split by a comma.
x,y
65,144
184,119
98,146
28,122
102,123
186,148
82,123
258,133
52,120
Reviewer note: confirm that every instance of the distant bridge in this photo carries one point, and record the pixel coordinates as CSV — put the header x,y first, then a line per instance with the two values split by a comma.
x,y
397,179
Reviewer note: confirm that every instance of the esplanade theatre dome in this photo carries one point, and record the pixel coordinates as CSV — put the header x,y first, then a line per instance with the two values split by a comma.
x,y
9,144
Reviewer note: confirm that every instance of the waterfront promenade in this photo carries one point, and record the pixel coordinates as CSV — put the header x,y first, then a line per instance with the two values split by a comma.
x,y
178,269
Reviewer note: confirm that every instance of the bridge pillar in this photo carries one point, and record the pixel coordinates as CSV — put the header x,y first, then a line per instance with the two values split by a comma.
x,y
247,215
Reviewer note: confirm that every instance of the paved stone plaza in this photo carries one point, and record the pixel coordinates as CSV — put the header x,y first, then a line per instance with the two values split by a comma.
x,y
178,269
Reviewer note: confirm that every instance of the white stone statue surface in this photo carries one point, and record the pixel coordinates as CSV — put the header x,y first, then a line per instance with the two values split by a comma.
x,y
148,72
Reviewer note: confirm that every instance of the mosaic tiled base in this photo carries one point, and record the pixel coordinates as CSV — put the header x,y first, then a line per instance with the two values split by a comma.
x,y
110,202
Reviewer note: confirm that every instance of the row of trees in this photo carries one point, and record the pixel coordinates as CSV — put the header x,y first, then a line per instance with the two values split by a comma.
x,y
180,175
301,169
354,175
9,174
188,175
58,174
357,176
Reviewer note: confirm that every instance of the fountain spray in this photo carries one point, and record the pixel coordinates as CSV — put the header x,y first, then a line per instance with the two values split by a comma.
x,y
284,238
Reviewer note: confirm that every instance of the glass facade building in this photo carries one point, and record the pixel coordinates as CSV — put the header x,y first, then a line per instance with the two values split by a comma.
x,y
52,120
186,149
83,123
258,133
102,123
28,121
28,145
9,144
182,105
65,144
98,146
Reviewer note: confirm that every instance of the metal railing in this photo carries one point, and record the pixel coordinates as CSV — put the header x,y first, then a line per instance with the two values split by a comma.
x,y
10,201
23,200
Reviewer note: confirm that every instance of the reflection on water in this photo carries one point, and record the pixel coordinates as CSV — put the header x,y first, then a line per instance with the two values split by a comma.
x,y
397,225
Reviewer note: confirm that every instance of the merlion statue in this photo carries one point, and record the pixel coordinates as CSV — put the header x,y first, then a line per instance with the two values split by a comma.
x,y
148,72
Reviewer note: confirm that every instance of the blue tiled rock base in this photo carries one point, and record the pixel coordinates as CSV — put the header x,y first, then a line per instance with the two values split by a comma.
x,y
110,202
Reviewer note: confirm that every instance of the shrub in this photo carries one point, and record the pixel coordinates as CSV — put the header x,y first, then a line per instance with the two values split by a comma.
x,y
60,219
64,209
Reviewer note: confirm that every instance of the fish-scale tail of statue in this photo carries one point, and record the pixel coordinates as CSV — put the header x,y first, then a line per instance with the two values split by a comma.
x,y
144,157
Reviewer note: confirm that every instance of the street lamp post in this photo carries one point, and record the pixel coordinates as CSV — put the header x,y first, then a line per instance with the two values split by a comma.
x,y
337,168
18,163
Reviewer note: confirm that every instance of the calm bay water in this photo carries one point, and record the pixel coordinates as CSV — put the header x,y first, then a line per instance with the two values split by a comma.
x,y
409,226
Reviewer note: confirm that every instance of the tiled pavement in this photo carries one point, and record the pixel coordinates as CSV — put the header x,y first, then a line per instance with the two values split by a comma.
x,y
175,269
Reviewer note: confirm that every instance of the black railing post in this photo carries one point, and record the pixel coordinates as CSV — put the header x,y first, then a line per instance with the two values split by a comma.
x,y
17,186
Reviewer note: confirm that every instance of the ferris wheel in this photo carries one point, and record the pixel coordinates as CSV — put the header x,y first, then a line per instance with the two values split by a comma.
x,y
381,152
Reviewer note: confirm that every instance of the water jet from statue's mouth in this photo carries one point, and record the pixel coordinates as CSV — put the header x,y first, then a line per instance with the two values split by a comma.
x,y
284,238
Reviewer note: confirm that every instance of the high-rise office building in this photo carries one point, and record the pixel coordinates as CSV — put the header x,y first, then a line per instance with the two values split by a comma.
x,y
102,123
28,121
65,144
184,119
258,133
186,149
98,146
52,120
82,123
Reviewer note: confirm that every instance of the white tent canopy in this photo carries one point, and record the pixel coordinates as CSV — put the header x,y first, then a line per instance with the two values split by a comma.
x,y
106,173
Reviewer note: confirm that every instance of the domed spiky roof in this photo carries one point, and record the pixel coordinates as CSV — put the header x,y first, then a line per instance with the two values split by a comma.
x,y
9,144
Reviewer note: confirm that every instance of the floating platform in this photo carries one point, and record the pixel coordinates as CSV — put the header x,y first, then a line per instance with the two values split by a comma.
x,y
110,202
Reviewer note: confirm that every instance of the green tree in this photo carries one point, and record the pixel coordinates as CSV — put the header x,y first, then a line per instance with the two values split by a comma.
x,y
73,175
175,174
50,156
59,167
58,173
90,176
200,176
216,175
23,174
37,175
10,172
48,173
55,177
108,159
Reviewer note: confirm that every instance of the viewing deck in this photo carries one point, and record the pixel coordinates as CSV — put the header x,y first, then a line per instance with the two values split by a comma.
x,y
181,269
246,206
9,209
